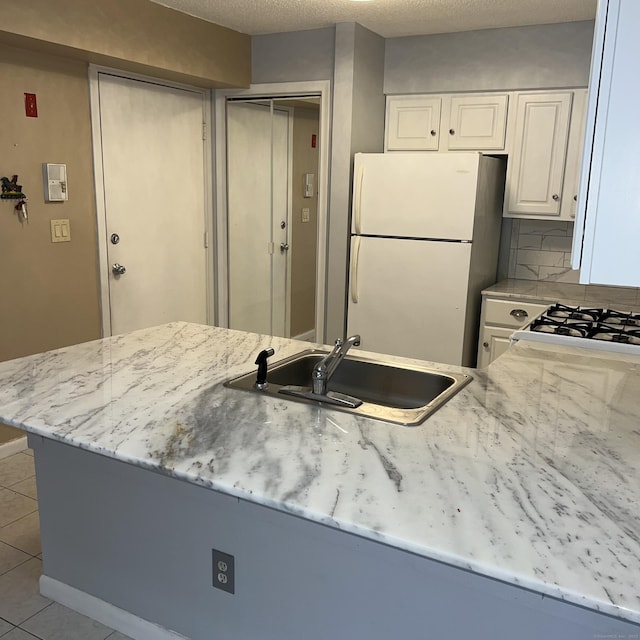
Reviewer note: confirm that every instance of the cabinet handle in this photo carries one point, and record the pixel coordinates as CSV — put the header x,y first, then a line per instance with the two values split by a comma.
x,y
485,345
519,314
433,132
452,132
556,197
575,198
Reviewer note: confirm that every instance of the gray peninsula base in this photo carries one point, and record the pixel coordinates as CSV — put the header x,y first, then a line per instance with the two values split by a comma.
x,y
143,541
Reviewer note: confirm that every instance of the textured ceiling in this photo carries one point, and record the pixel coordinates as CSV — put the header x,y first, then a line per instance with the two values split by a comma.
x,y
389,18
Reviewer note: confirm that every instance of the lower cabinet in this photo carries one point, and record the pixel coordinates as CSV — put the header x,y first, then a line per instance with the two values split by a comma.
x,y
500,317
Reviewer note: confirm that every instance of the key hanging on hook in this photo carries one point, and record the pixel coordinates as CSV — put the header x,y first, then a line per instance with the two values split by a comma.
x,y
21,208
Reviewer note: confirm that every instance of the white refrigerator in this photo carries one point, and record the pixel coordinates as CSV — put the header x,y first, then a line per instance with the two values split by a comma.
x,y
425,241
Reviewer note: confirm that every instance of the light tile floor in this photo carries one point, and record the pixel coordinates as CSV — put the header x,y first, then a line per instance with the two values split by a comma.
x,y
24,613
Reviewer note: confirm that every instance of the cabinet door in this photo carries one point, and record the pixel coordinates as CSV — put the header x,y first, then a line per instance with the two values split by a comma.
x,y
574,155
413,123
535,170
609,188
494,341
477,122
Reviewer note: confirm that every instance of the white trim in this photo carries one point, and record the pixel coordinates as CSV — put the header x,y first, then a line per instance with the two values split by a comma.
x,y
275,90
287,286
103,263
13,446
307,336
103,612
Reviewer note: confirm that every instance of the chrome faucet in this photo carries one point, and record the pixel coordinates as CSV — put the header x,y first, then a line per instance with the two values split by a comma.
x,y
323,371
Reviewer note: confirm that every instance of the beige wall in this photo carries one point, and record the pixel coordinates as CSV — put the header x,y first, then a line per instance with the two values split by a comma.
x,y
304,234
135,35
48,292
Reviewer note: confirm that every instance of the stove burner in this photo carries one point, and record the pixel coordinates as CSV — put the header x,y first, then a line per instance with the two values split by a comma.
x,y
573,313
615,334
605,329
561,327
610,316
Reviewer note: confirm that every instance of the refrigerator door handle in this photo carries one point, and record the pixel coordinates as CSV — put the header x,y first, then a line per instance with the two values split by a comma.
x,y
357,205
355,254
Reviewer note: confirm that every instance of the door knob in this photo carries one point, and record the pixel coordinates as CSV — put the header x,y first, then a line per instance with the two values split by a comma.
x,y
284,246
118,269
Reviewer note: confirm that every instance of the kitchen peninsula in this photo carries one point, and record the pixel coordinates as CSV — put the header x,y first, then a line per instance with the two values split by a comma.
x,y
511,512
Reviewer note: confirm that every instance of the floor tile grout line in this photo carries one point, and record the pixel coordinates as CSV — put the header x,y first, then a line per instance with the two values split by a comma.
x,y
13,546
20,518
22,494
33,616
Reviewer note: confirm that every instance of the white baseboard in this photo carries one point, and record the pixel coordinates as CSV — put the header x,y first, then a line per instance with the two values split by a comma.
x,y
13,446
307,336
103,612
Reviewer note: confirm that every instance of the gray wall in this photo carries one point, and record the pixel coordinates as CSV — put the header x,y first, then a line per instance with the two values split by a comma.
x,y
364,66
541,56
358,125
293,57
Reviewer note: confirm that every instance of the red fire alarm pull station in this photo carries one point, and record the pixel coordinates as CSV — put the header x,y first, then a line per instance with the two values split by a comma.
x,y
314,140
30,105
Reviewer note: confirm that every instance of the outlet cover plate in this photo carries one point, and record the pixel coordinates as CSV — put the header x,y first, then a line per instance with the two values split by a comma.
x,y
223,571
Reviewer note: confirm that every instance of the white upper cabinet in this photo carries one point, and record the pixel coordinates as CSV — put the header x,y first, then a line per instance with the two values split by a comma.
x,y
477,122
607,225
568,205
451,122
541,133
536,167
413,123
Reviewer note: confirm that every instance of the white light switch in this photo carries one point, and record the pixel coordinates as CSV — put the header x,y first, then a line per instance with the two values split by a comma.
x,y
60,230
305,215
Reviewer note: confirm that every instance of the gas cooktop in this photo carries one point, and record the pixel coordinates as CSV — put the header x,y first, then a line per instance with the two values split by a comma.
x,y
605,329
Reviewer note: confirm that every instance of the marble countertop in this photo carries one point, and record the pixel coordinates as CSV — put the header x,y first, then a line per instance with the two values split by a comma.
x,y
529,475
590,295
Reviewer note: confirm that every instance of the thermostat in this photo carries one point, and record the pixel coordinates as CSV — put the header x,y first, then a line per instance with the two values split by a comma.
x,y
55,182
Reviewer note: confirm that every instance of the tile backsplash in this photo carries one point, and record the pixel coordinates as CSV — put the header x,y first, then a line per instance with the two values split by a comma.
x,y
541,250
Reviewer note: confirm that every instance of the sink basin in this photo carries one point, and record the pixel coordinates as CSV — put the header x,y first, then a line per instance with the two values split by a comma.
x,y
402,394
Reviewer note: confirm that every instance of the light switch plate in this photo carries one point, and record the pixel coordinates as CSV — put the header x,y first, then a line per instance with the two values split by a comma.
x,y
60,230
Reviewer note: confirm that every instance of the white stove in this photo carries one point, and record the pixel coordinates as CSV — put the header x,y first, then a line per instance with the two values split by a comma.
x,y
602,329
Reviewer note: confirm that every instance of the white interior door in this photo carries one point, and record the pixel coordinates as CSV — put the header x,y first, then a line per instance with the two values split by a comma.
x,y
258,217
153,175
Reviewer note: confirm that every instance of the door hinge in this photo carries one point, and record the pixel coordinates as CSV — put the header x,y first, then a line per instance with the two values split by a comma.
x,y
206,239
204,130
270,248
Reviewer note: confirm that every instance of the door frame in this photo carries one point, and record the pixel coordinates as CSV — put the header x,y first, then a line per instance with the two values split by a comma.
x,y
321,89
103,263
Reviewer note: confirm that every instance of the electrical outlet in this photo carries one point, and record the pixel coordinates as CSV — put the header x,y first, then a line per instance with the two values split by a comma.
x,y
223,571
306,214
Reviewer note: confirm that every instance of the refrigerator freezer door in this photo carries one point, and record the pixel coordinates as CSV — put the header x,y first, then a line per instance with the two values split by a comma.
x,y
409,297
415,195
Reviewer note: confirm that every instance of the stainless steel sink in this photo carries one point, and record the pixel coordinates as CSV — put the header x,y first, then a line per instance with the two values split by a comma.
x,y
389,391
